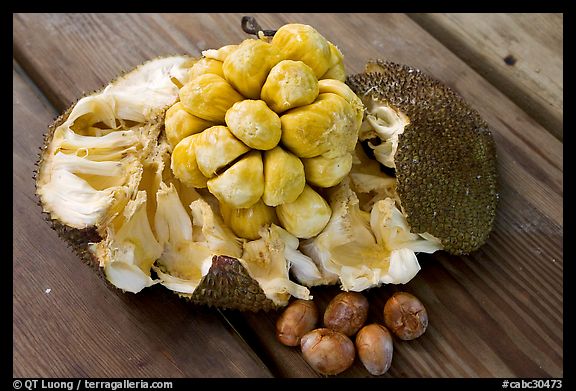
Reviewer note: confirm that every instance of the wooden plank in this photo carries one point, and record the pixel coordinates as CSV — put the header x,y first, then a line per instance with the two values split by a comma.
x,y
68,323
497,312
521,54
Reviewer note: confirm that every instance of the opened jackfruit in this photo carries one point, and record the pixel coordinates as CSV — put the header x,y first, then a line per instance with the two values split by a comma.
x,y
147,183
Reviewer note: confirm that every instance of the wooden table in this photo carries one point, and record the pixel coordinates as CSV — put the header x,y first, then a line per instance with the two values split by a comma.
x,y
495,313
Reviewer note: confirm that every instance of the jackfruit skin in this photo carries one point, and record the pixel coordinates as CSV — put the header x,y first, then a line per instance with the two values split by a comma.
x,y
228,286
446,163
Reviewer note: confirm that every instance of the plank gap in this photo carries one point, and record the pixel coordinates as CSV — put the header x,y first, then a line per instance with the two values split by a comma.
x,y
237,322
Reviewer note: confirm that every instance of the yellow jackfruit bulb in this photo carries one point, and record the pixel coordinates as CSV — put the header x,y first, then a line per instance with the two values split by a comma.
x,y
327,127
336,70
325,172
247,67
340,88
219,54
255,124
336,56
183,163
216,147
209,96
302,42
307,216
205,65
290,84
246,222
241,185
179,123
284,177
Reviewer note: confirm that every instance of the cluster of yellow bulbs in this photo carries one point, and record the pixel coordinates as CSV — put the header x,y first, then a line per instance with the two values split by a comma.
x,y
263,123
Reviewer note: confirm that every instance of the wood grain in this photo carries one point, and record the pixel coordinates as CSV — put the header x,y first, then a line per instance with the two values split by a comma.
x,y
522,54
497,312
69,323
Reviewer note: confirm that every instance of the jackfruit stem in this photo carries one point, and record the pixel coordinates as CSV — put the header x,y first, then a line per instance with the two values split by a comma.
x,y
251,26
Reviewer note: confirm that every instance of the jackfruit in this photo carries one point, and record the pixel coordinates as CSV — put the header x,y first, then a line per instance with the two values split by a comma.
x,y
306,216
189,174
184,164
340,88
247,222
219,54
442,150
337,71
325,172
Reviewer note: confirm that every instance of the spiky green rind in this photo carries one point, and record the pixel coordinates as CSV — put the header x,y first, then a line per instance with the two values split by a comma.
x,y
446,158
